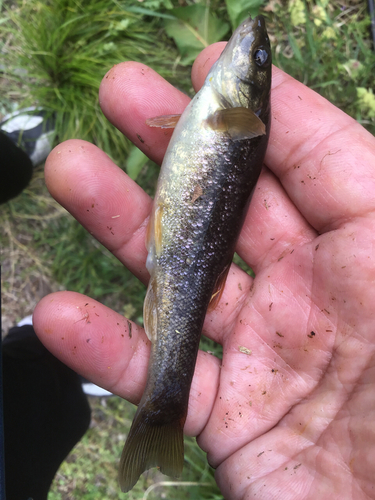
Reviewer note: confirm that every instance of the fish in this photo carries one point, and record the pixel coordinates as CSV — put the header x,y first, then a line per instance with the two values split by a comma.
x,y
206,181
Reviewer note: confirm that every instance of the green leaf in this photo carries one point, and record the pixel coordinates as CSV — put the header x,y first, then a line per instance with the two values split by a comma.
x,y
294,44
136,161
148,12
239,10
366,101
194,28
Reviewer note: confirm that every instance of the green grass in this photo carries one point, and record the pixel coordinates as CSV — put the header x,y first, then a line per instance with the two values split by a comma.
x,y
61,49
328,49
66,47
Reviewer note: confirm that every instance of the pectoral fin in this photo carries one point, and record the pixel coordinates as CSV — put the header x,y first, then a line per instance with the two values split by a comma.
x,y
163,121
239,123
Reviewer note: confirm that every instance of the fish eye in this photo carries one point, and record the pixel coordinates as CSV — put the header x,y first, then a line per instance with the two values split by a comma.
x,y
261,57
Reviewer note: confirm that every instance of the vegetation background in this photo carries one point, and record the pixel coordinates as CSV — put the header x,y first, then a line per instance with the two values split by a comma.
x,y
54,54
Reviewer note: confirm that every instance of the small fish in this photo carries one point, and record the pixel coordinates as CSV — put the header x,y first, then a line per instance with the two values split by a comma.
x,y
207,178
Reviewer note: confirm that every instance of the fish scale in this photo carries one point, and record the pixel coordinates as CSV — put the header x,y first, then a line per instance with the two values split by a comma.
x,y
206,182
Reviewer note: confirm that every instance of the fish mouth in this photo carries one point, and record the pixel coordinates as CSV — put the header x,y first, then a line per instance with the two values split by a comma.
x,y
256,24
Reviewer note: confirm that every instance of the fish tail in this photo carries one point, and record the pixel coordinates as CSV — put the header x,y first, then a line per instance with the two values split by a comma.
x,y
151,445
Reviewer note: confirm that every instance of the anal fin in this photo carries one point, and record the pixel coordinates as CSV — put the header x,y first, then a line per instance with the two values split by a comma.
x,y
158,228
219,287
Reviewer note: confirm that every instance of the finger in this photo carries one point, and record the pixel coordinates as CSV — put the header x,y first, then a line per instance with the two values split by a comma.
x,y
132,92
273,227
323,157
113,352
204,62
112,207
94,341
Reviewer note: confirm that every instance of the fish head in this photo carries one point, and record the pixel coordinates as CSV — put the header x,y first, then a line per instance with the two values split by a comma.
x,y
244,67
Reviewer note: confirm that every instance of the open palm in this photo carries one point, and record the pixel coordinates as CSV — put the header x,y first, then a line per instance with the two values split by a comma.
x,y
289,412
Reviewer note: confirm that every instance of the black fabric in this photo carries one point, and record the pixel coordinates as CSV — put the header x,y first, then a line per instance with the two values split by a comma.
x,y
16,169
45,414
2,463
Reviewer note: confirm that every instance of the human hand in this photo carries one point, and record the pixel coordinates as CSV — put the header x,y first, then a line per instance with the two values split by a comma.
x,y
293,419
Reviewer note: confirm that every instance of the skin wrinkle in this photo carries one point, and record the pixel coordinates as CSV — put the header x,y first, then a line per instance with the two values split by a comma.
x,y
305,443
313,287
124,239
257,336
357,336
295,244
337,462
294,373
352,417
134,234
288,460
331,223
310,313
319,226
340,223
322,107
137,234
241,296
229,322
281,239
326,427
213,400
133,367
141,105
317,146
284,162
341,463
269,254
129,239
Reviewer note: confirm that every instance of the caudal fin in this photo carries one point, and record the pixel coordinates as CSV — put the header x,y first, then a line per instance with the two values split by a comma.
x,y
149,445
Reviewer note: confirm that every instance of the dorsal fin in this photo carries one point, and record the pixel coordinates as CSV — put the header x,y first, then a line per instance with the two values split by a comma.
x,y
163,121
